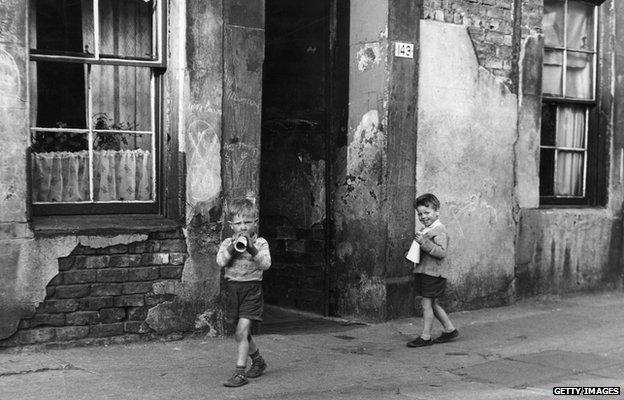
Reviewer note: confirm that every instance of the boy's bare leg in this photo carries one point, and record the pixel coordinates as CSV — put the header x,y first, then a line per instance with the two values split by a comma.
x,y
441,316
427,317
252,345
241,336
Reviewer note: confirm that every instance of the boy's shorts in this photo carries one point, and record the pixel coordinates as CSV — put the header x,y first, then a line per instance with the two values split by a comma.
x,y
429,286
243,300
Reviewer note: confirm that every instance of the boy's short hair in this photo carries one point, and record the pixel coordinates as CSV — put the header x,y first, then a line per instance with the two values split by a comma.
x,y
242,206
427,200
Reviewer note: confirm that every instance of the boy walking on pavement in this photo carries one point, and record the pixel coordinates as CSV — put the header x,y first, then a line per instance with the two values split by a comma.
x,y
431,271
245,256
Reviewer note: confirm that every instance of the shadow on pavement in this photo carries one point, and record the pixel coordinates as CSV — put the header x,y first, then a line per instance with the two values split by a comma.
x,y
278,320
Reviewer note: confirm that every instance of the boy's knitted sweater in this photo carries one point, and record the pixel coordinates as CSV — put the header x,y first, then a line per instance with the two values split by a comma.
x,y
434,247
242,267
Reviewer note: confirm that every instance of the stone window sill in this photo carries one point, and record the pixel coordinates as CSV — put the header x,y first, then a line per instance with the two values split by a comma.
x,y
101,224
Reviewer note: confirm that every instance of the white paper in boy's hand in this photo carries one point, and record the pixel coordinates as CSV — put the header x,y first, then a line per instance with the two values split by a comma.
x,y
414,252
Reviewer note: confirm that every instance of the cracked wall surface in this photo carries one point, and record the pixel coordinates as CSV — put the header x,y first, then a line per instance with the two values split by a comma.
x,y
29,267
466,134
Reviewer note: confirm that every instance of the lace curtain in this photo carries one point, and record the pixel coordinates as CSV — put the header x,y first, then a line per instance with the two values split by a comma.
x,y
118,176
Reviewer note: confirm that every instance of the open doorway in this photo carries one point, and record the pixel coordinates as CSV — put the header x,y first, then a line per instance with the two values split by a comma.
x,y
303,117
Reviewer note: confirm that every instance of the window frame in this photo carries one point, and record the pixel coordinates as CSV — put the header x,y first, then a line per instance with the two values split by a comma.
x,y
593,173
157,68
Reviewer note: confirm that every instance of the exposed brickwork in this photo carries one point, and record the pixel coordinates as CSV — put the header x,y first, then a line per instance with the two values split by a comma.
x,y
532,13
105,292
296,276
494,26
491,27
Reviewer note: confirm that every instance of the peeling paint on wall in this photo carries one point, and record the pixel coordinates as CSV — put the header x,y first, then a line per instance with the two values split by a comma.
x,y
99,242
29,265
366,145
369,56
368,296
466,135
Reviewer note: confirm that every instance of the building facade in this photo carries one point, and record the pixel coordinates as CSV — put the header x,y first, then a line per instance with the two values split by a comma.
x,y
129,126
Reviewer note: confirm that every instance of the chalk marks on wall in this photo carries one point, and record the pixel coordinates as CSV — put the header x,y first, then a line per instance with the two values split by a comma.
x,y
10,81
203,169
241,164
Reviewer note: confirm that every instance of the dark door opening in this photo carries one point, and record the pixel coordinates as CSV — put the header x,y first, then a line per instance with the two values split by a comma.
x,y
303,110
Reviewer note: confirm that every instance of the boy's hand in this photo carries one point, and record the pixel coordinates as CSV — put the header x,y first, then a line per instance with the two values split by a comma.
x,y
251,249
419,237
249,239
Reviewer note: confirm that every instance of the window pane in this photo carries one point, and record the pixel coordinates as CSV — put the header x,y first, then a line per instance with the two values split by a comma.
x,y
549,124
126,28
553,23
570,167
60,167
60,99
580,76
122,167
117,141
121,98
552,72
547,171
580,26
571,126
63,26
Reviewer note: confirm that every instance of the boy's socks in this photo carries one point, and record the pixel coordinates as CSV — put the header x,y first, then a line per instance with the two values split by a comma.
x,y
255,355
258,365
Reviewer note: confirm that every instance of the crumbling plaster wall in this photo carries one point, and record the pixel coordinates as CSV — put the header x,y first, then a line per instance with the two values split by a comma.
x,y
194,114
567,249
360,169
216,91
15,235
217,61
466,133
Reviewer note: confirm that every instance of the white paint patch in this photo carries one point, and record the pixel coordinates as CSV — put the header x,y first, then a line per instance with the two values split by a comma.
x,y
369,56
366,143
99,242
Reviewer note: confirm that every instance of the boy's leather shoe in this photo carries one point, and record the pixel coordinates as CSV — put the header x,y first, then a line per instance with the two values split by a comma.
x,y
237,379
256,369
446,336
419,342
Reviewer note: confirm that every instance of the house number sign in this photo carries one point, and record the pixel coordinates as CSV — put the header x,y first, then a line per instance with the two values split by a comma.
x,y
404,50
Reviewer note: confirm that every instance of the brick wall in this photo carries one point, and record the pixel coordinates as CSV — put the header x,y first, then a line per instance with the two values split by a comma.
x,y
296,277
105,292
491,27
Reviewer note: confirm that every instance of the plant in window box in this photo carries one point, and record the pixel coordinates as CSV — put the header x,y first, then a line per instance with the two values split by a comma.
x,y
110,140
48,142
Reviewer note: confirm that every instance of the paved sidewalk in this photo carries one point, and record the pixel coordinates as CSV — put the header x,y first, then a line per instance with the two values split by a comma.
x,y
515,352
